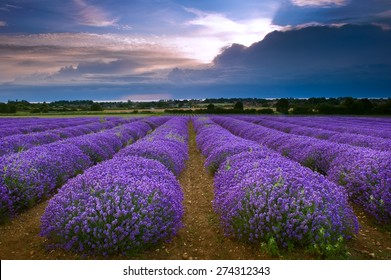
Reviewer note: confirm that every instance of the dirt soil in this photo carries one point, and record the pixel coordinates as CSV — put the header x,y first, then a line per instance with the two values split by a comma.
x,y
200,238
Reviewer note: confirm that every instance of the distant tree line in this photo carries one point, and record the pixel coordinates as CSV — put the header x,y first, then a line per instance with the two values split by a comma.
x,y
324,106
7,108
340,106
238,108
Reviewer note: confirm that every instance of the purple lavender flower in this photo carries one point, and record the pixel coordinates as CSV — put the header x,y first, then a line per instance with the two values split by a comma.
x,y
271,199
35,174
117,207
365,172
167,144
6,207
263,197
367,177
298,127
29,176
21,142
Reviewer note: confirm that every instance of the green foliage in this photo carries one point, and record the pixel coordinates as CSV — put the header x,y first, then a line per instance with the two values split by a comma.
x,y
265,111
282,105
7,108
238,106
96,107
301,110
318,105
210,107
327,249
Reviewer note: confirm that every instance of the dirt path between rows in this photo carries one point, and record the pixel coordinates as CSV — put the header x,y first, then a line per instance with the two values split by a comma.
x,y
200,238
20,240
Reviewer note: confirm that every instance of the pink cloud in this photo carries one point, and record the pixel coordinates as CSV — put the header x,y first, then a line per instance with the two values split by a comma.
x,y
93,16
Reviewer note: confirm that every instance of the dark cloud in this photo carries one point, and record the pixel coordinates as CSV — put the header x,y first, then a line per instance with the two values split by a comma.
x,y
356,11
351,58
313,47
184,76
117,71
99,72
100,67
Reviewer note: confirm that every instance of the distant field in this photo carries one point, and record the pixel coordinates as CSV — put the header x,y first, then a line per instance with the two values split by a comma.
x,y
119,113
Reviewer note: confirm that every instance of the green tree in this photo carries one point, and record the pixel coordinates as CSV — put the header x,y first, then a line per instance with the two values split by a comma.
x,y
363,106
210,107
96,107
44,107
238,106
3,108
282,105
12,108
265,111
301,110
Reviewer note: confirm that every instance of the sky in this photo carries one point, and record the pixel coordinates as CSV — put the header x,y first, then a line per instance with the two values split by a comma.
x,y
164,49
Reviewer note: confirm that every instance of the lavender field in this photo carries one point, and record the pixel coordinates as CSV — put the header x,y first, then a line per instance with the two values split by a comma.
x,y
181,187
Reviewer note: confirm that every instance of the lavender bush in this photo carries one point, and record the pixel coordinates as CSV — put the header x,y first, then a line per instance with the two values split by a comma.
x,y
28,177
21,142
376,143
167,144
217,143
117,207
263,197
134,130
13,126
278,203
98,147
36,173
373,127
367,177
6,209
364,172
155,122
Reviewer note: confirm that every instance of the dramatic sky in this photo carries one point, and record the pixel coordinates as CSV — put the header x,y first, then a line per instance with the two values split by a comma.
x,y
160,49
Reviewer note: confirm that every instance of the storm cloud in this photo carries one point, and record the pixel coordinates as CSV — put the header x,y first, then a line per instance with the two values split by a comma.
x,y
300,12
318,57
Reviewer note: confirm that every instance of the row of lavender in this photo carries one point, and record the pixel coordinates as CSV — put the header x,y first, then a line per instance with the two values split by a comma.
x,y
376,143
124,204
356,122
25,123
21,142
365,173
373,127
28,177
265,198
376,127
13,126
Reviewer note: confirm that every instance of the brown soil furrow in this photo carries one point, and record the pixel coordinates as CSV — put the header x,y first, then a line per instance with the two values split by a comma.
x,y
201,237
